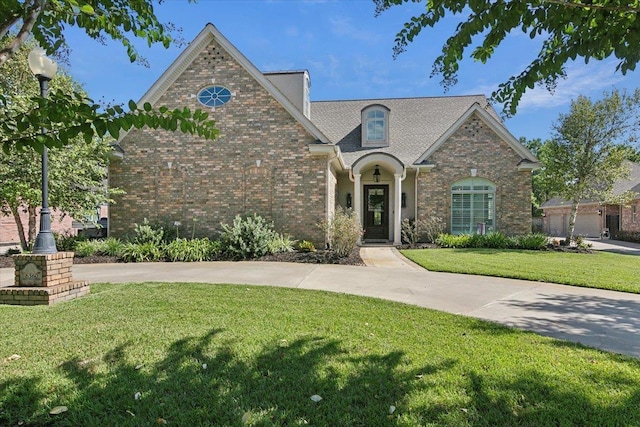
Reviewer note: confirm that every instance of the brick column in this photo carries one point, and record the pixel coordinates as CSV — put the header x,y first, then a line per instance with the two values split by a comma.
x,y
43,279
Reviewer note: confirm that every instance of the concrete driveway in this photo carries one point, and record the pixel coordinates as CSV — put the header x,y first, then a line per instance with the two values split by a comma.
x,y
603,319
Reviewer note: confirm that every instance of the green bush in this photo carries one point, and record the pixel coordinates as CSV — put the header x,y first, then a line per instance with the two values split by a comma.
x,y
454,241
67,241
281,243
88,248
248,237
196,250
306,246
343,231
532,241
148,233
494,239
140,252
112,247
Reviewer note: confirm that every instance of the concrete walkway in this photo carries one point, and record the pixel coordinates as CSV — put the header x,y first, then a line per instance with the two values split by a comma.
x,y
602,319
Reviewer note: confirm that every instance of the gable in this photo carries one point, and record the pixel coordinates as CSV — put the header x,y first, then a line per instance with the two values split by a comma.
x,y
465,124
211,46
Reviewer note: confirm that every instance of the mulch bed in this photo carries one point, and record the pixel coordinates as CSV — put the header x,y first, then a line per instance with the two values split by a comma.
x,y
318,257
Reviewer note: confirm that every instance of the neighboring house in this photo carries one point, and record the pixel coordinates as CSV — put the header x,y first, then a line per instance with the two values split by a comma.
x,y
60,223
595,219
294,161
9,237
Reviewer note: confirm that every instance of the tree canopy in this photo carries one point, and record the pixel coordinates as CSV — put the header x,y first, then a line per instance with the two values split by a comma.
x,y
46,20
63,116
569,29
77,171
586,155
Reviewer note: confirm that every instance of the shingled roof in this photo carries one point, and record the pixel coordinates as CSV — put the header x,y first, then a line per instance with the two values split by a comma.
x,y
415,124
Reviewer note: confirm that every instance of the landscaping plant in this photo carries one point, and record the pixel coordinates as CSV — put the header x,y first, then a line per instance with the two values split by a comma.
x,y
248,237
343,231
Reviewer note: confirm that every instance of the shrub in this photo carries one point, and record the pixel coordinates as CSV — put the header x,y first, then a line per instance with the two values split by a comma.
x,y
248,237
453,241
306,246
532,241
67,241
281,243
112,247
629,236
148,233
88,248
410,232
195,250
493,239
343,231
140,252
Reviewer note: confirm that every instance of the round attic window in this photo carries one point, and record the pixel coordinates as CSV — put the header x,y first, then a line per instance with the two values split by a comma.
x,y
214,96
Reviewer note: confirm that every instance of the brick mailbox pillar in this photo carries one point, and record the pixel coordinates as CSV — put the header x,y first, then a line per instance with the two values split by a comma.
x,y
43,279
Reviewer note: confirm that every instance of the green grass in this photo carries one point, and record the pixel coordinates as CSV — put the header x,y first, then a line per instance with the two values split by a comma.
x,y
268,350
599,270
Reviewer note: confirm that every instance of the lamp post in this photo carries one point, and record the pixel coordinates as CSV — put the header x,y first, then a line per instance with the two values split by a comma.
x,y
44,69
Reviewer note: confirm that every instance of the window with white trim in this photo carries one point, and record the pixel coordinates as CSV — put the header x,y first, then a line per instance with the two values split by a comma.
x,y
634,213
472,206
375,126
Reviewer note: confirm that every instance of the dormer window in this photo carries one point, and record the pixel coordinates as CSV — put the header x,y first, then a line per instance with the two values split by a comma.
x,y
375,126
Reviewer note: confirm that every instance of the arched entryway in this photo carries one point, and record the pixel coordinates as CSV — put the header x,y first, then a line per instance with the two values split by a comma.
x,y
377,183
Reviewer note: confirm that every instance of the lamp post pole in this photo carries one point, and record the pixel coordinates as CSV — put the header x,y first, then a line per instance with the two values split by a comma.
x,y
44,69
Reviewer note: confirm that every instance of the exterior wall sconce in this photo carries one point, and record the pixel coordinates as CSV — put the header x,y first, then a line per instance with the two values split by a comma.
x,y
169,164
376,174
258,163
403,200
474,172
349,201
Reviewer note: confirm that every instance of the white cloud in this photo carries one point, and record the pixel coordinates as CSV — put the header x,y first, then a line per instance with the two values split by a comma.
x,y
582,79
343,27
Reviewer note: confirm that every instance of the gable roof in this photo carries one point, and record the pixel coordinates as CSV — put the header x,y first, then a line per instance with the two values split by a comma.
x,y
195,48
416,125
632,184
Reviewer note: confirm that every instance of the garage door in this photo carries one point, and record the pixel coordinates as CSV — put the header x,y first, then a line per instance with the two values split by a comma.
x,y
556,225
588,225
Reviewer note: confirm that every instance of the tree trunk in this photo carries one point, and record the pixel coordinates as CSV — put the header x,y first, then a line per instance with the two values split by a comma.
x,y
572,220
33,10
16,217
32,225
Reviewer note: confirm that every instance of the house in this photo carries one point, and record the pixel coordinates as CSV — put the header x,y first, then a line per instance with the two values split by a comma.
x,y
294,161
596,219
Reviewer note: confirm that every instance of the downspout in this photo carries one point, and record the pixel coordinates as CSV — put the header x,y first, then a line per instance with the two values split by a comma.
x,y
415,196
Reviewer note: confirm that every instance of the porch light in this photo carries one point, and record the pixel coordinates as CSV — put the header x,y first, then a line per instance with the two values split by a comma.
x,y
376,174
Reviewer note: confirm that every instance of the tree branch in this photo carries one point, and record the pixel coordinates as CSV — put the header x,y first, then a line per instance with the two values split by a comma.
x,y
33,11
580,5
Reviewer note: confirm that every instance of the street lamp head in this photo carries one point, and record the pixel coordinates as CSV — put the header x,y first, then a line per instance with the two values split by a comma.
x,y
41,65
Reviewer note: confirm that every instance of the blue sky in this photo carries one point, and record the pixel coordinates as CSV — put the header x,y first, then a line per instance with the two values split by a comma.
x,y
348,52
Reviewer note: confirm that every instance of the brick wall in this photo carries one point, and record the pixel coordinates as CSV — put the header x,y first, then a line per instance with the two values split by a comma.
x,y
627,222
9,231
212,181
476,146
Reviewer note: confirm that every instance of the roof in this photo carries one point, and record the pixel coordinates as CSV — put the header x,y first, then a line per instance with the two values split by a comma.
x,y
632,184
415,124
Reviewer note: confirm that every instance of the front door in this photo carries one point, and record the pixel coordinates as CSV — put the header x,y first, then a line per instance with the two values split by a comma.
x,y
376,215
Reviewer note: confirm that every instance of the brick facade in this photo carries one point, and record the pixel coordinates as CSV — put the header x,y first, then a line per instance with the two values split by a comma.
x,y
178,177
475,146
628,220
9,231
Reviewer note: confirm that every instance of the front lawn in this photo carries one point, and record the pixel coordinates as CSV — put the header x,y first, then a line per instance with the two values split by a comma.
x,y
600,270
198,355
